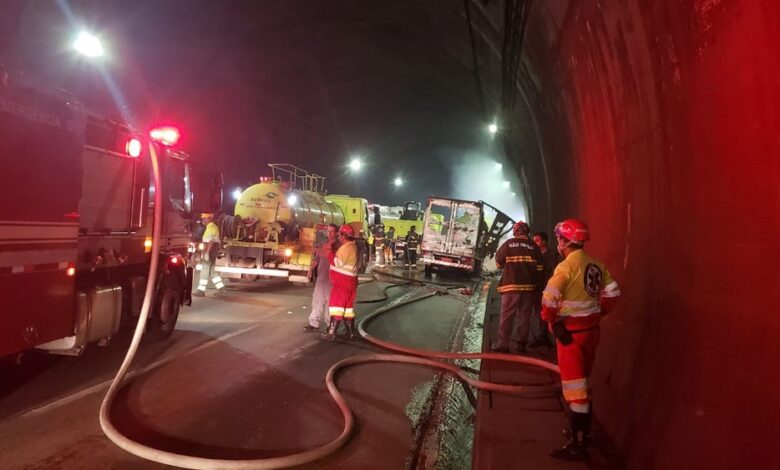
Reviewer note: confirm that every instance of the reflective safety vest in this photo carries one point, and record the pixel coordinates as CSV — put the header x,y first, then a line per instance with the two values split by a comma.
x,y
211,234
343,265
577,284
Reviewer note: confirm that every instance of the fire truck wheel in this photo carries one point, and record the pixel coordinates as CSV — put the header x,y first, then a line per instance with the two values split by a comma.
x,y
428,270
163,319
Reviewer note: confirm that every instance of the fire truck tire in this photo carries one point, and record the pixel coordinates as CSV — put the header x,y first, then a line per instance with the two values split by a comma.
x,y
163,319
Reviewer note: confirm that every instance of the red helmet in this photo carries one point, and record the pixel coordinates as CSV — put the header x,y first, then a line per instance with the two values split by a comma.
x,y
576,231
347,230
521,228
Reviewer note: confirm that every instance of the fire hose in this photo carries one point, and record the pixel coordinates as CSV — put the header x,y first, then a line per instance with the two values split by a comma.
x,y
410,356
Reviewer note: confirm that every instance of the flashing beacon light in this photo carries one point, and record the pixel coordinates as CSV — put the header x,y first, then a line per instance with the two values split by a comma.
x,y
165,135
133,148
288,252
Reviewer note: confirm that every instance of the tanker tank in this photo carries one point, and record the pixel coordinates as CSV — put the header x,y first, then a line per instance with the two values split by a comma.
x,y
273,211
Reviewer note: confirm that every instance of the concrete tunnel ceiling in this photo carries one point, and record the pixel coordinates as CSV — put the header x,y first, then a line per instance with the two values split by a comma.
x,y
656,122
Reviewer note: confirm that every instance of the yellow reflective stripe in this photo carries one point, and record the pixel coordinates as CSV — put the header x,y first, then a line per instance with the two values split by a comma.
x,y
520,259
349,313
516,287
575,389
336,311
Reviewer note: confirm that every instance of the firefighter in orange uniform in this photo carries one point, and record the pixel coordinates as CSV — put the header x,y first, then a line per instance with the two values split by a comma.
x,y
578,294
343,276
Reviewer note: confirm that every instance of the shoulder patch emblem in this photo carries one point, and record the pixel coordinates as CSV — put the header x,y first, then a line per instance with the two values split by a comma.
x,y
592,280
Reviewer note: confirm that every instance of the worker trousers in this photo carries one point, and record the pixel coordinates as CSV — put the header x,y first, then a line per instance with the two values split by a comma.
x,y
575,361
319,303
516,307
342,301
207,274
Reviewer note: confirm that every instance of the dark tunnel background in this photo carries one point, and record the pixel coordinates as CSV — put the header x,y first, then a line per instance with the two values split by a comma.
x,y
657,123
654,121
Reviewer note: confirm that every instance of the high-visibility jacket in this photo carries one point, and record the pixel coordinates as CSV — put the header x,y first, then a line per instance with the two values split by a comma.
x,y
343,265
576,286
522,262
211,237
212,233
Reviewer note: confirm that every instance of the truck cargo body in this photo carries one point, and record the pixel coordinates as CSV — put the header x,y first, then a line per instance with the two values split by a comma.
x,y
75,222
452,232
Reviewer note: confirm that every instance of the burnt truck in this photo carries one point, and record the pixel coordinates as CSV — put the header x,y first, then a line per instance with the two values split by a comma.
x,y
458,234
76,218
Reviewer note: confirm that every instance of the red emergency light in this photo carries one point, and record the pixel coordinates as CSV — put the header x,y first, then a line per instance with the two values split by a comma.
x,y
133,148
166,135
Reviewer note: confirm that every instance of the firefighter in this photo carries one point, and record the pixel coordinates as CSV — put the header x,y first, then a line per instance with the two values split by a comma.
x,y
578,294
389,247
379,245
210,249
522,262
343,276
412,239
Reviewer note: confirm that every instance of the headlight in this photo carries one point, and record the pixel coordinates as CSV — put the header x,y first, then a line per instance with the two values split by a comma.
x,y
288,252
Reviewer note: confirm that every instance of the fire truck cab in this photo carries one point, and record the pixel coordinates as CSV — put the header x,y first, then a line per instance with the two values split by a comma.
x,y
76,206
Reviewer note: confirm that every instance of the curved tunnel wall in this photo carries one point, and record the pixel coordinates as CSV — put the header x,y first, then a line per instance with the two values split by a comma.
x,y
659,126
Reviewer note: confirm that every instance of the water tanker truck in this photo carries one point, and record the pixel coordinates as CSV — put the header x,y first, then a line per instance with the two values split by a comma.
x,y
276,225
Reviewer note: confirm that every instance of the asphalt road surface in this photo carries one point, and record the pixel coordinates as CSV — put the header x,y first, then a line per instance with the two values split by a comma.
x,y
238,379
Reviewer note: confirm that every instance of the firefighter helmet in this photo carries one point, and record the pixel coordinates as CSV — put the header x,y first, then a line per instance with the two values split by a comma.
x,y
521,228
347,230
573,230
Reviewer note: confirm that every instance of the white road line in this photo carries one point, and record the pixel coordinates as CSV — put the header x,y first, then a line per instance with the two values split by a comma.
x,y
104,385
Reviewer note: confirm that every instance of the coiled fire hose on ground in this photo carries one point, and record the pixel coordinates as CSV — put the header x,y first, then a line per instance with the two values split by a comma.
x,y
411,356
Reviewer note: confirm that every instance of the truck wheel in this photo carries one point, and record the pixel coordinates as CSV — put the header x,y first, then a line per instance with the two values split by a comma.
x,y
163,318
428,270
477,268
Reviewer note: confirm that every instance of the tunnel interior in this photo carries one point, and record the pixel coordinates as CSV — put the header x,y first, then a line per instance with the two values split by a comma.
x,y
654,122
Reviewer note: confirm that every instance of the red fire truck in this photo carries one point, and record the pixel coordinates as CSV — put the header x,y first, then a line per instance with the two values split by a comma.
x,y
76,203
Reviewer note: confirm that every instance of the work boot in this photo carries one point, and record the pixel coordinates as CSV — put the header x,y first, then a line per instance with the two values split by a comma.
x,y
333,328
576,448
310,329
349,323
